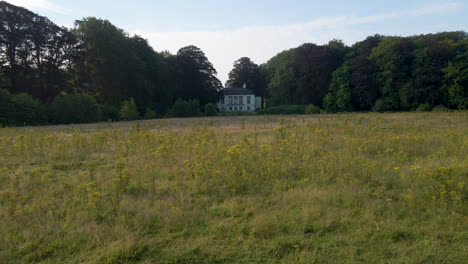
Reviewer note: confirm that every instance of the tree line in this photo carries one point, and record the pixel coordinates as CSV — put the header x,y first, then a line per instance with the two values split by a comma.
x,y
97,72
95,64
380,73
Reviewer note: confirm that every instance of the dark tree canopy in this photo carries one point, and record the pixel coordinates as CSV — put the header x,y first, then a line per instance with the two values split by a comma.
x,y
109,62
314,66
247,72
198,76
381,73
280,78
365,90
35,52
97,59
393,58
303,75
117,66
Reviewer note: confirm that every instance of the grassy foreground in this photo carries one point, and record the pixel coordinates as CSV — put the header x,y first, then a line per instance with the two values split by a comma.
x,y
351,188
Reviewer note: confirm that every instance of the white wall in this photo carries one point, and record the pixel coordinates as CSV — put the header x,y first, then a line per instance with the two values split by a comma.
x,y
236,106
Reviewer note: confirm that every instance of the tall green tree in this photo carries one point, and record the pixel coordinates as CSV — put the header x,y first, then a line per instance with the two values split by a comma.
x,y
109,59
455,82
365,90
118,66
280,78
338,98
170,82
198,76
146,78
393,58
15,44
430,57
247,72
313,67
35,52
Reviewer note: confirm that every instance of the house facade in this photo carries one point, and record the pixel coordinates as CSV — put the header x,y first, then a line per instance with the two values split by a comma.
x,y
239,100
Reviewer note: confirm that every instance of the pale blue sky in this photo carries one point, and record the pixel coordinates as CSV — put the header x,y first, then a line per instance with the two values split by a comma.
x,y
227,30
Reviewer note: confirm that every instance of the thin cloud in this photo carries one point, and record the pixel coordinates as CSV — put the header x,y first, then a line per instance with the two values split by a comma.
x,y
41,5
438,8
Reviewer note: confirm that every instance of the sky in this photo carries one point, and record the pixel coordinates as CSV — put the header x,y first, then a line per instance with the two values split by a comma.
x,y
227,30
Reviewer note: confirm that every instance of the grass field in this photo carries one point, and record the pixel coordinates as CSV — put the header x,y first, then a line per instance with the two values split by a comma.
x,y
350,188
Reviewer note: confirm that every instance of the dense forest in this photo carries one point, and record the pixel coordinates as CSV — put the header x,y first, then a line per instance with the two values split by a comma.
x,y
98,72
379,73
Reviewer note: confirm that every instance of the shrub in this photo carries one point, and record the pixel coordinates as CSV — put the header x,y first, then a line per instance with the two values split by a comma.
x,y
423,108
237,113
211,110
379,106
27,110
312,109
284,110
20,109
150,114
183,108
129,110
440,108
74,109
108,113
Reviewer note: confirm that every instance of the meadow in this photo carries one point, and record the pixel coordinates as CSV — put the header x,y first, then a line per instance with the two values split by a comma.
x,y
345,188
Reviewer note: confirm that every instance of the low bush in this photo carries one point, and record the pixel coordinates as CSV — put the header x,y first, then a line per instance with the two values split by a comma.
x,y
20,109
74,109
150,114
424,108
440,108
108,113
284,110
312,109
237,113
379,106
27,110
129,110
181,108
211,110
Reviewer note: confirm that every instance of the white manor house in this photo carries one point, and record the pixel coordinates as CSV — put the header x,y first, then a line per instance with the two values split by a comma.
x,y
239,100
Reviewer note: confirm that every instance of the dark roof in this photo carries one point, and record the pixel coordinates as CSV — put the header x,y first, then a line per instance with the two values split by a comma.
x,y
237,91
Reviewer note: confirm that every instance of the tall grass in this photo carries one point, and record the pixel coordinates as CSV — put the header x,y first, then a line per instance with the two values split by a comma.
x,y
351,188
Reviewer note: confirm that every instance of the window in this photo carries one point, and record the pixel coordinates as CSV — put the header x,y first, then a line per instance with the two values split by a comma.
x,y
248,100
248,107
230,108
235,108
222,100
230,100
241,99
240,108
